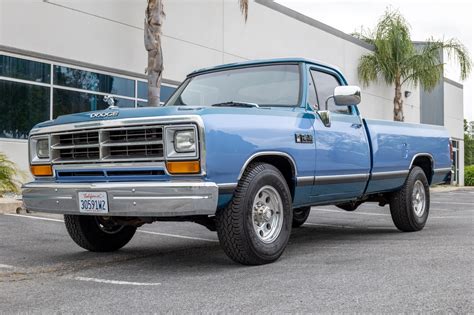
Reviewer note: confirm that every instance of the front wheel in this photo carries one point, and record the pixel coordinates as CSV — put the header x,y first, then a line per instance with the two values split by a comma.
x,y
254,229
98,234
411,204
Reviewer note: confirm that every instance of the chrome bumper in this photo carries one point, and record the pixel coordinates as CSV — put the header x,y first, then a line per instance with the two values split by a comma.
x,y
142,199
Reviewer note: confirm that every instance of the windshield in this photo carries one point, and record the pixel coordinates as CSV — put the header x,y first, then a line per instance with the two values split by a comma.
x,y
272,85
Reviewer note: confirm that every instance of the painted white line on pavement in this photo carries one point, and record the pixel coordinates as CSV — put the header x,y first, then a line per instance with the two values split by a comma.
x,y
178,236
117,282
453,203
452,217
330,225
2,266
139,231
388,215
33,217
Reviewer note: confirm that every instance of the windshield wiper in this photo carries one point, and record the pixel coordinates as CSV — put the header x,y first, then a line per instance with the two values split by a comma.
x,y
235,104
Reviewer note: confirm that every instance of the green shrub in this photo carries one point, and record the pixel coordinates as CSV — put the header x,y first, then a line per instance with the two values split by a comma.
x,y
8,175
469,175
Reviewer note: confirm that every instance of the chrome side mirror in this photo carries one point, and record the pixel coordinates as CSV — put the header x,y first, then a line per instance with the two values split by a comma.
x,y
346,95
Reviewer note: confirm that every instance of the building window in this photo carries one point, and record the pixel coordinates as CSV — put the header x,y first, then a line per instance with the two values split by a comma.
x,y
22,106
17,68
455,177
69,102
32,91
142,92
87,80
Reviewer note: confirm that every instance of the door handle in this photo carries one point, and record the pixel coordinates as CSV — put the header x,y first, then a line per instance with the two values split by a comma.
x,y
356,126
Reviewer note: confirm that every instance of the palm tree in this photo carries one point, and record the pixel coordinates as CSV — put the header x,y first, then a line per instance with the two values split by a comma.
x,y
8,173
396,60
154,16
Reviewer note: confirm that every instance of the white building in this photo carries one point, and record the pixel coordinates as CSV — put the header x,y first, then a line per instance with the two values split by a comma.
x,y
61,56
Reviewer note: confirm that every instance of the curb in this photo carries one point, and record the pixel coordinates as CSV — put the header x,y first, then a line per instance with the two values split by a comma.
x,y
10,205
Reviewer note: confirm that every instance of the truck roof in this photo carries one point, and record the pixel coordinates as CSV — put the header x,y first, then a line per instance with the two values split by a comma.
x,y
264,61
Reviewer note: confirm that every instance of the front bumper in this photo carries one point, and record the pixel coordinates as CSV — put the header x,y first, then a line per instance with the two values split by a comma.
x,y
137,199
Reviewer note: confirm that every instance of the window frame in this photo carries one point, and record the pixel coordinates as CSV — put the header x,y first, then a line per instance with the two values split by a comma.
x,y
352,110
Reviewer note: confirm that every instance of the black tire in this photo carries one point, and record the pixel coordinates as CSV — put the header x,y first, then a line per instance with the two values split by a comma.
x,y
235,223
89,233
300,215
404,214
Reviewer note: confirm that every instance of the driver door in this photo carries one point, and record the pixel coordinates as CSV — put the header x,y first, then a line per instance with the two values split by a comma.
x,y
342,148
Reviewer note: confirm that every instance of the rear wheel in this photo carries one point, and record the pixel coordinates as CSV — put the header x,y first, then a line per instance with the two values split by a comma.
x,y
411,204
98,234
254,229
300,215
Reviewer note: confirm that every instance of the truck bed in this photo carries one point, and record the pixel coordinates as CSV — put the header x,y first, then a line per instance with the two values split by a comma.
x,y
395,145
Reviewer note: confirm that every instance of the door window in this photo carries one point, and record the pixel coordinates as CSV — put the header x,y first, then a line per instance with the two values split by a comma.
x,y
325,85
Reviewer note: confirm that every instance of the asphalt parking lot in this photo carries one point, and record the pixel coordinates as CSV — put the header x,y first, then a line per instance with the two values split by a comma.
x,y
337,262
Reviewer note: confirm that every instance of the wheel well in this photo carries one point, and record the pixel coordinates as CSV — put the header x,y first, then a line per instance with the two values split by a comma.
x,y
284,165
426,165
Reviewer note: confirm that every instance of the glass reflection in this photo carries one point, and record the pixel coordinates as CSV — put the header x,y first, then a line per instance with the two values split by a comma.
x,y
21,106
69,102
87,80
24,69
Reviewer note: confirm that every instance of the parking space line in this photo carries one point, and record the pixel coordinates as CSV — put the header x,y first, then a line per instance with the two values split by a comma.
x,y
116,281
178,236
33,217
452,217
2,266
388,215
139,231
453,203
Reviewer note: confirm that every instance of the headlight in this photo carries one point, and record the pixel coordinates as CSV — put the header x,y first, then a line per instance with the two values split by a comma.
x,y
42,148
184,141
39,149
181,142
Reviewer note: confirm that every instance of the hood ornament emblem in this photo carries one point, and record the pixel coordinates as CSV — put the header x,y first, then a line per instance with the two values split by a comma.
x,y
109,99
110,112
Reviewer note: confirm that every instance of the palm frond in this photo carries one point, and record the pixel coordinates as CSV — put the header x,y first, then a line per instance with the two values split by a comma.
x,y
368,69
456,51
365,35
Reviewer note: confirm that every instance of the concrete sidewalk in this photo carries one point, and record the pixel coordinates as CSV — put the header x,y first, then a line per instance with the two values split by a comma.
x,y
10,205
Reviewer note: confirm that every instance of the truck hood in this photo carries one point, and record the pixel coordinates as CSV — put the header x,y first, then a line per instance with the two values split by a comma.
x,y
124,113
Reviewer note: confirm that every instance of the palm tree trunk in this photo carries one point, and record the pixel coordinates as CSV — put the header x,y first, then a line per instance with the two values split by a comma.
x,y
154,16
398,102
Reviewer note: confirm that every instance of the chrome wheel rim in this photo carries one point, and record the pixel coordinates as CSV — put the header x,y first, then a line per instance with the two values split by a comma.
x,y
267,214
418,198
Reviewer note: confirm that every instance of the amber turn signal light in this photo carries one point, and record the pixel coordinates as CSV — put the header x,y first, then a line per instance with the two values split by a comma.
x,y
183,167
41,170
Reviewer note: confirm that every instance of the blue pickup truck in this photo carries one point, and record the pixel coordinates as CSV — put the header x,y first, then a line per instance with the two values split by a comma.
x,y
244,149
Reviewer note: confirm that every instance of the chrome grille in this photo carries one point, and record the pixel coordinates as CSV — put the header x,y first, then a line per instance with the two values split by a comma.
x,y
126,135
79,138
143,143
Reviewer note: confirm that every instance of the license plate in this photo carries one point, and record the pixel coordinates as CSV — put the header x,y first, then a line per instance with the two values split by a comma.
x,y
93,202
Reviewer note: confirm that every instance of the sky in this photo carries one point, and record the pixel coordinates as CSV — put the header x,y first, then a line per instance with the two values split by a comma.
x,y
427,18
